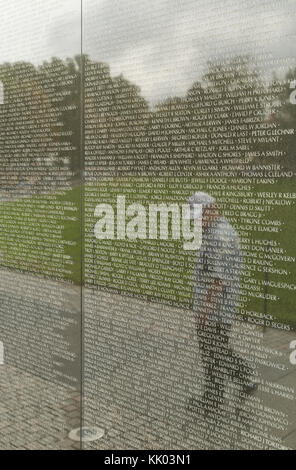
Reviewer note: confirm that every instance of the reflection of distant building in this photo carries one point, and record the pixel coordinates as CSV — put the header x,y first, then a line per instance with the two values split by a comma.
x,y
1,93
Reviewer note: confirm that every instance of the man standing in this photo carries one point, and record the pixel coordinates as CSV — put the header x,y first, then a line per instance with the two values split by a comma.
x,y
217,280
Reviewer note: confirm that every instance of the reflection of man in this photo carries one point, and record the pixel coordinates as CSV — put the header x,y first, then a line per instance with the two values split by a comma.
x,y
216,296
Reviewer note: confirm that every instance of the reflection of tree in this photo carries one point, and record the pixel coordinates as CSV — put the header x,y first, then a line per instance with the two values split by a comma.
x,y
34,120
215,126
234,98
65,94
168,137
211,126
284,114
115,121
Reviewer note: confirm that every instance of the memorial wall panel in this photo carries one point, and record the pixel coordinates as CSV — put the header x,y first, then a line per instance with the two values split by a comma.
x,y
40,293
147,207
189,326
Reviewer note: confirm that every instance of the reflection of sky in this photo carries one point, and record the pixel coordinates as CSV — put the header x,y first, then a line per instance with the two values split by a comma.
x,y
27,30
162,45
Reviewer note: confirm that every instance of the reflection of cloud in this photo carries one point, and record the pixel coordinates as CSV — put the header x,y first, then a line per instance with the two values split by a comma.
x,y
163,45
29,29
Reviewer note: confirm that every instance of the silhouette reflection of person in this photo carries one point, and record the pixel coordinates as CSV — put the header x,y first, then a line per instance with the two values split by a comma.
x,y
217,280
